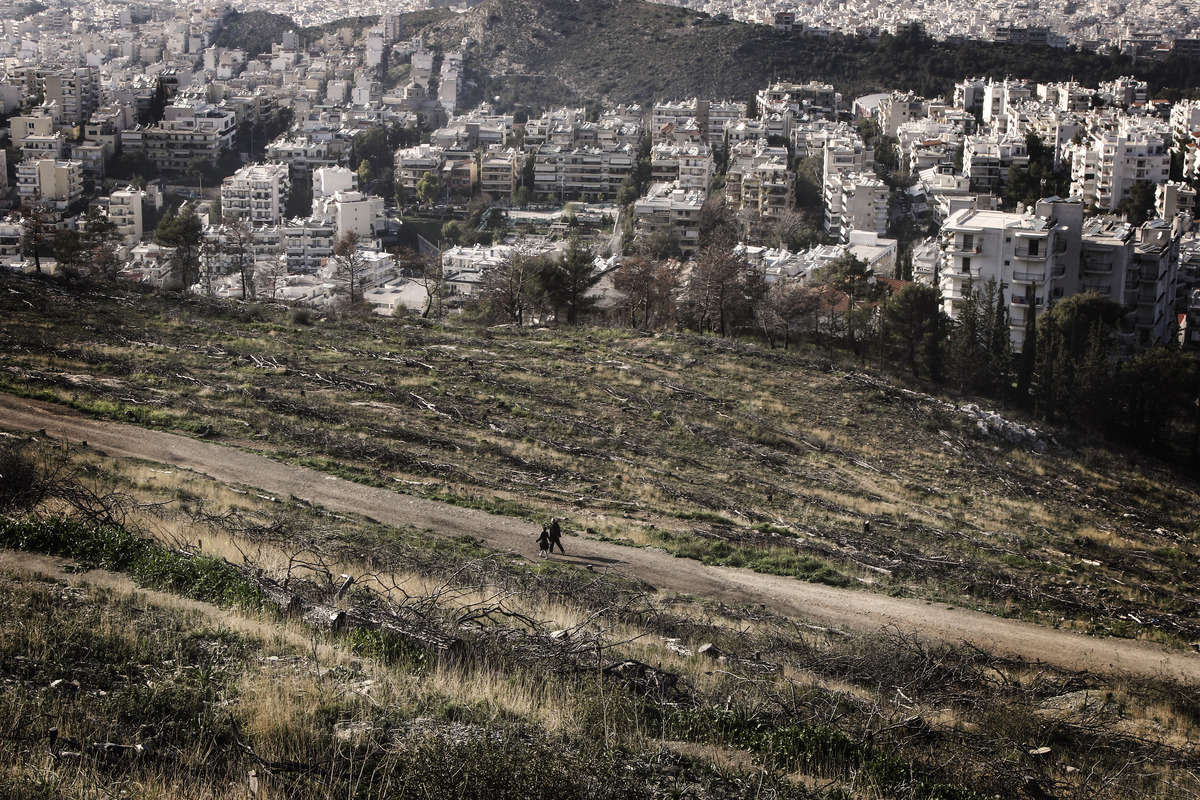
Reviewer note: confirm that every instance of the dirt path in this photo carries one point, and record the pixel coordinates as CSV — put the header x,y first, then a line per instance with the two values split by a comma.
x,y
813,602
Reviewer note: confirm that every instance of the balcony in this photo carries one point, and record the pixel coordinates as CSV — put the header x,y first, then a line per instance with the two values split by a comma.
x,y
1097,267
1029,277
959,249
1025,254
1058,270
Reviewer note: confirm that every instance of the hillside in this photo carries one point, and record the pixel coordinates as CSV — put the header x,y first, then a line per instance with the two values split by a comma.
x,y
538,51
717,451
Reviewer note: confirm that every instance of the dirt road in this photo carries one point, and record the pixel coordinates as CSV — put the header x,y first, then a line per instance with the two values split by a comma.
x,y
812,602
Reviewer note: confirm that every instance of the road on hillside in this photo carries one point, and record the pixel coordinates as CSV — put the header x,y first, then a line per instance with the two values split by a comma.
x,y
809,602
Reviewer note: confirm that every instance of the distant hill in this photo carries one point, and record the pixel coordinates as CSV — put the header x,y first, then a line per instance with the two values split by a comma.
x,y
548,52
632,51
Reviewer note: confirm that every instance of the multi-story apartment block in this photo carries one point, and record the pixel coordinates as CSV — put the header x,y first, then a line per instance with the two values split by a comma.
x,y
987,160
898,108
759,178
1026,254
352,212
26,126
671,209
1185,121
843,156
413,162
564,171
125,211
688,160
51,180
1049,253
304,153
308,242
193,130
1136,268
499,172
1106,165
75,91
256,193
855,201
809,100
710,117
1173,198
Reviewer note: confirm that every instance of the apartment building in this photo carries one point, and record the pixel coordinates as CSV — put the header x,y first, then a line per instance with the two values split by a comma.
x,y
759,178
1049,253
690,163
189,131
304,152
669,208
855,201
413,162
988,159
1106,165
568,172
307,242
75,91
1173,198
809,100
125,211
898,108
710,117
1026,254
499,173
256,193
50,180
1185,121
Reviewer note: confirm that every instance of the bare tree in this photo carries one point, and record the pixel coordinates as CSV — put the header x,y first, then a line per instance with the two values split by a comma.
x,y
349,267
36,228
510,288
649,288
237,243
427,270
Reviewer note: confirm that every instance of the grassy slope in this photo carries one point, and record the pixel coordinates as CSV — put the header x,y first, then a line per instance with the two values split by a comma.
x,y
718,450
213,696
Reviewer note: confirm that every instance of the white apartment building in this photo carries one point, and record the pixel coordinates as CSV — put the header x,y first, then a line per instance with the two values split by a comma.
x,y
51,180
987,160
413,162
898,108
759,178
499,171
256,193
1028,256
809,100
125,211
1049,253
691,164
1173,198
307,242
1107,164
669,208
846,155
1185,120
855,201
570,171
329,180
710,117
352,212
303,153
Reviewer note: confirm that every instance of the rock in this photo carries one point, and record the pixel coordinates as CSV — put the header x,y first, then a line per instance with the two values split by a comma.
x,y
710,650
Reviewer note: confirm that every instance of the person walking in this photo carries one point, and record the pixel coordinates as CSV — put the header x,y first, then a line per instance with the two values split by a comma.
x,y
543,542
555,534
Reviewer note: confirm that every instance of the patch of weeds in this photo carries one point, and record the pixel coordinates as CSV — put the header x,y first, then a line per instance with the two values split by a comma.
x,y
204,578
769,560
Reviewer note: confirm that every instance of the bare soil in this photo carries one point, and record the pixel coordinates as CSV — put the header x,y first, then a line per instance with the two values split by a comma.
x,y
815,603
